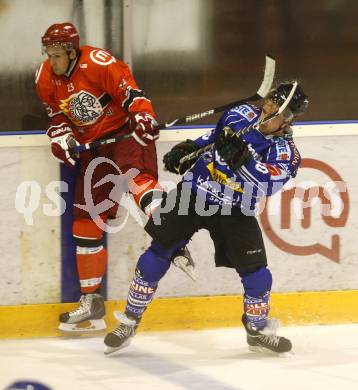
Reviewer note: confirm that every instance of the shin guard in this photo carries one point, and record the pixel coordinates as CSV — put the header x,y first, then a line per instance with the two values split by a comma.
x,y
257,286
91,255
140,295
151,267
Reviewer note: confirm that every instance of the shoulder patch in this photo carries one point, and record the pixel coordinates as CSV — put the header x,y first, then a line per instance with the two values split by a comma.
x,y
101,57
246,111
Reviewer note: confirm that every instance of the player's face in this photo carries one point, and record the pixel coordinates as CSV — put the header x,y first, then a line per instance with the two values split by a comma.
x,y
276,125
59,59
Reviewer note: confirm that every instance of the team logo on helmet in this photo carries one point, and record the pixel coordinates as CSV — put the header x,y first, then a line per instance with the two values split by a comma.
x,y
82,108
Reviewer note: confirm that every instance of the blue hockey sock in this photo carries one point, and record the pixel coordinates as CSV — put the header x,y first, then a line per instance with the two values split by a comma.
x,y
151,267
140,295
257,286
256,310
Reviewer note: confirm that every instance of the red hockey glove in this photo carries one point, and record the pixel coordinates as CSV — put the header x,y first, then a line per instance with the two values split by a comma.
x,y
144,128
62,139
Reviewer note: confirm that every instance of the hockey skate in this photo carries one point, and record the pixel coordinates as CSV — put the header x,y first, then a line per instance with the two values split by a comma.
x,y
266,339
121,336
88,317
183,260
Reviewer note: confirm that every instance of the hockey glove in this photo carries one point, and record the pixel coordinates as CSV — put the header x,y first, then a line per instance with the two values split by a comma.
x,y
62,139
172,159
232,149
144,128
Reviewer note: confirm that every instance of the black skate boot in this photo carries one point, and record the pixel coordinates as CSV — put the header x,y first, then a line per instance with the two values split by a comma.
x,y
266,339
121,336
87,317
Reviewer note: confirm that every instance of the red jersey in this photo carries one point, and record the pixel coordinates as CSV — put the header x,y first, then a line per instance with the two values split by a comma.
x,y
95,98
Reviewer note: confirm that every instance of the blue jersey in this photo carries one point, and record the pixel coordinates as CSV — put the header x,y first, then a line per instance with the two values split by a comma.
x,y
275,159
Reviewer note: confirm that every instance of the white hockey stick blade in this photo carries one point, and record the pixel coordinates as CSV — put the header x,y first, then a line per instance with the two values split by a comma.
x,y
269,75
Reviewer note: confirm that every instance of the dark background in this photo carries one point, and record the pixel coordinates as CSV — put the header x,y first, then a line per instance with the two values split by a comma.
x,y
314,41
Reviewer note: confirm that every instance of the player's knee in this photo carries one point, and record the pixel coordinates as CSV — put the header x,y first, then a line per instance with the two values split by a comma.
x,y
87,235
146,191
155,261
258,282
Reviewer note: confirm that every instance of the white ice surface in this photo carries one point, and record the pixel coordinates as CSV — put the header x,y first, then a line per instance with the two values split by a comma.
x,y
324,357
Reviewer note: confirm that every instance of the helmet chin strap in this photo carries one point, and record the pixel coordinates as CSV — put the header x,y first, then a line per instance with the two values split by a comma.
x,y
70,66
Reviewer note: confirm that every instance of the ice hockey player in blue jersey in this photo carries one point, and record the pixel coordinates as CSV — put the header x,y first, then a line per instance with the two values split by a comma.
x,y
250,158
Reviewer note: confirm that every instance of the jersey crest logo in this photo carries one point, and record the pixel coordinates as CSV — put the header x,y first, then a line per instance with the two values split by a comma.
x,y
82,108
101,57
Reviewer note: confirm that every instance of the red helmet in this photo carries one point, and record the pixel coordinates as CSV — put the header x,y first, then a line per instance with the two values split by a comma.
x,y
64,34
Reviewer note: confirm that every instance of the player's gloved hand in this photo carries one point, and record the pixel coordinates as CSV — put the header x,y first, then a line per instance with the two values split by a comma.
x,y
62,139
144,127
232,149
172,159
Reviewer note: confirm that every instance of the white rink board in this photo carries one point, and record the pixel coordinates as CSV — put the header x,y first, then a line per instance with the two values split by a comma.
x,y
290,272
30,255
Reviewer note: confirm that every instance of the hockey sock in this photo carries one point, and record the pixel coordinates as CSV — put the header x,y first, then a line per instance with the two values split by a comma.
x,y
91,265
140,295
257,286
90,253
151,267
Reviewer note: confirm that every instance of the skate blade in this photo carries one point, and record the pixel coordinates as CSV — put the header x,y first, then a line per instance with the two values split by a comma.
x,y
85,326
182,263
263,350
258,349
190,272
108,350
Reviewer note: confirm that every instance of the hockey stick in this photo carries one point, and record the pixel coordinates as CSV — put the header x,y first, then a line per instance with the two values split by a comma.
x,y
246,130
264,88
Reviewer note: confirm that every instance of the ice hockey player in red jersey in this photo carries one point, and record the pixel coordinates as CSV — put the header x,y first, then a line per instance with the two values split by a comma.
x,y
91,95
